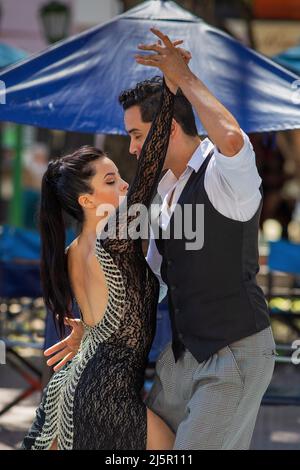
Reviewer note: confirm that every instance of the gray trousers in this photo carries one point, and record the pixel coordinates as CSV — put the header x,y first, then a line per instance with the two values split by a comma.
x,y
214,404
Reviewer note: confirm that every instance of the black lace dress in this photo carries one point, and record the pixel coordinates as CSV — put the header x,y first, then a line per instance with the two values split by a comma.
x,y
94,401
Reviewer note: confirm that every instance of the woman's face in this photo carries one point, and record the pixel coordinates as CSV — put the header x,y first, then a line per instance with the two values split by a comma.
x,y
108,186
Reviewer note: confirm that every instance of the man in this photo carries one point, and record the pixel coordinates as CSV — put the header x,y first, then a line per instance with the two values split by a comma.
x,y
211,378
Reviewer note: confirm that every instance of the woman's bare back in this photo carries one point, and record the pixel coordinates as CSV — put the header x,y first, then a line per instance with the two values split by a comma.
x,y
88,282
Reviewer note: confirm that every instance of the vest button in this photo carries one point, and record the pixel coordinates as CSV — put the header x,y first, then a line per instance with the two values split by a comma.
x,y
169,262
180,336
173,288
177,311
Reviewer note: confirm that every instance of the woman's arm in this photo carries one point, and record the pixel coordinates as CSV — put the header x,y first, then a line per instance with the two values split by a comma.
x,y
153,152
150,165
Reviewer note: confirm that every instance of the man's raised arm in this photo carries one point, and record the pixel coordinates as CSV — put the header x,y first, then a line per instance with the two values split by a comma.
x,y
222,128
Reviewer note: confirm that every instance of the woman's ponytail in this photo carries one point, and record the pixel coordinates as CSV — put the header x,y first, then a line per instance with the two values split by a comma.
x,y
54,271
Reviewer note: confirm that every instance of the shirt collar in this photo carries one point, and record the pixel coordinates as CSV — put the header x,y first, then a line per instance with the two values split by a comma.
x,y
194,163
200,154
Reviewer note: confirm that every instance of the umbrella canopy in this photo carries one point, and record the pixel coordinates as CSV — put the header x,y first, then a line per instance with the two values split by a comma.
x,y
74,85
290,59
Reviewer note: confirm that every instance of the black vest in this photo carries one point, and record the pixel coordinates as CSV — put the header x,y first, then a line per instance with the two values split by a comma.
x,y
213,295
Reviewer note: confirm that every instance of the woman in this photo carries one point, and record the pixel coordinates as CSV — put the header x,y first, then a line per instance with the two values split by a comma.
x,y
94,401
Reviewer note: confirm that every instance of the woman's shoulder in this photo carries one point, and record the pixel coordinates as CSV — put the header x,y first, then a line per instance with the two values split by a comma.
x,y
72,245
82,254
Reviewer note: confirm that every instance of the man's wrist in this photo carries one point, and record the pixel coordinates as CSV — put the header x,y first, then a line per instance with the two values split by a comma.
x,y
172,88
187,82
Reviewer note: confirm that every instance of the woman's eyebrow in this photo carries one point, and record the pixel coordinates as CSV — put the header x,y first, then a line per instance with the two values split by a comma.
x,y
110,174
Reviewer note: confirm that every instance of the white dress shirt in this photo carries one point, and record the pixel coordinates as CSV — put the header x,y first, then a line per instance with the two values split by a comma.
x,y
231,183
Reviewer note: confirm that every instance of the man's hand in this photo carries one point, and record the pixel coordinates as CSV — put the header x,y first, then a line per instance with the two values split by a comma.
x,y
221,126
171,60
66,349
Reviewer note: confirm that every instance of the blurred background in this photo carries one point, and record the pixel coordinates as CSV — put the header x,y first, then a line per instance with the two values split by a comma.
x,y
270,27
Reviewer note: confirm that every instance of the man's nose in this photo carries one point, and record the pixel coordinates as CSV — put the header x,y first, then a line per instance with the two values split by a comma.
x,y
133,150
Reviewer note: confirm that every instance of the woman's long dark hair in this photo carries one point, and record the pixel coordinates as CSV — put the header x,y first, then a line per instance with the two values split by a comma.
x,y
63,182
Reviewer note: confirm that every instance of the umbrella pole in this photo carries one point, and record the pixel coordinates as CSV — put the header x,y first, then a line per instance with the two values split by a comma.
x,y
16,216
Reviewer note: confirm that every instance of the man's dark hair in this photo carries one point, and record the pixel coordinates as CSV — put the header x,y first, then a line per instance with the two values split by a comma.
x,y
147,95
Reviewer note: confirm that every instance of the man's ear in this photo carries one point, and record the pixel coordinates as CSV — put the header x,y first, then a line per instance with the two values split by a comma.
x,y
174,128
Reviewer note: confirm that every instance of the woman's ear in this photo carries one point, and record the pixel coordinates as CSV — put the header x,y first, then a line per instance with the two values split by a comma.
x,y
86,202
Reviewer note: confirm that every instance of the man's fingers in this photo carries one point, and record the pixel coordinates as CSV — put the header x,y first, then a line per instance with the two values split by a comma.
x,y
55,348
150,57
56,358
75,323
165,39
64,361
184,51
68,320
150,63
176,43
150,47
185,54
157,46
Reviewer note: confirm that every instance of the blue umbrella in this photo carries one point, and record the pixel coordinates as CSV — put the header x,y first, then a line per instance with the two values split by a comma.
x,y
290,59
74,85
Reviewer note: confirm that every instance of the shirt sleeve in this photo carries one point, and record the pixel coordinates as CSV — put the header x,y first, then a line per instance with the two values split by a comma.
x,y
239,173
154,259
